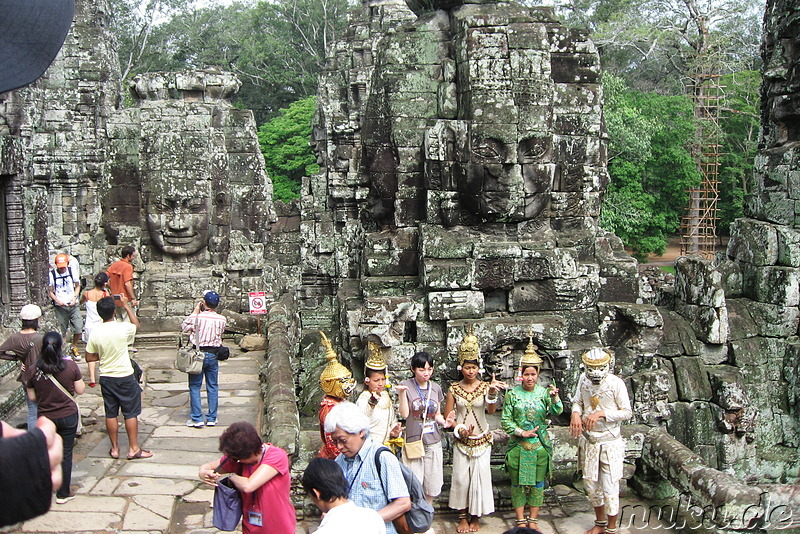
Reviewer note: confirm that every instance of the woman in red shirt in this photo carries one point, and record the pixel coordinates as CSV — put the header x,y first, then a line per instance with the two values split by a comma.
x,y
261,474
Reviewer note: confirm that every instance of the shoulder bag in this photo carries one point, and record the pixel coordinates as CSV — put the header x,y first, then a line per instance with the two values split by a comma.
x,y
227,503
60,386
415,450
189,358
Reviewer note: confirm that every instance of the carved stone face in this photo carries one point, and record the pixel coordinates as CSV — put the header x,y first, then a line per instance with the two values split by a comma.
x,y
178,216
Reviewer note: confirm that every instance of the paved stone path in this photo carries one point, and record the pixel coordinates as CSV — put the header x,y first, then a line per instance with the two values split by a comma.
x,y
163,494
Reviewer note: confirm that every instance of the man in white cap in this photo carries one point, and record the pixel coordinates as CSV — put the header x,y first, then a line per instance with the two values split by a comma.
x,y
599,407
24,347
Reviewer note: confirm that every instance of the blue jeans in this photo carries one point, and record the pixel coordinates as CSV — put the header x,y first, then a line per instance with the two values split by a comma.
x,y
210,372
66,428
33,410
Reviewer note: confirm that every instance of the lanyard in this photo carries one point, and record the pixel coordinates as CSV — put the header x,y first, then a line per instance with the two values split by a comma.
x,y
427,400
350,483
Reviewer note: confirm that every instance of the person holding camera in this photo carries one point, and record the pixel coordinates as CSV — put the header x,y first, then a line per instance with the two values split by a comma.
x,y
120,281
205,328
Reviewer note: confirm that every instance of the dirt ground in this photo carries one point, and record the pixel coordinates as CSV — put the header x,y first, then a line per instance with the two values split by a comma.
x,y
673,251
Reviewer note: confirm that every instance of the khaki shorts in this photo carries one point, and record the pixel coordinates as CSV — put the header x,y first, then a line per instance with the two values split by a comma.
x,y
428,469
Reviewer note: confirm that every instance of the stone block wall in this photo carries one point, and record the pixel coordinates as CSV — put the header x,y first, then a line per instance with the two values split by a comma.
x,y
52,134
463,163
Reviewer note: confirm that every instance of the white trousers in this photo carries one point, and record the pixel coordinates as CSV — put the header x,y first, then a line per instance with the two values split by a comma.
x,y
604,490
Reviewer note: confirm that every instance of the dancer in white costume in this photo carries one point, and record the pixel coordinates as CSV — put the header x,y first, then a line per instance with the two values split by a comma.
x,y
599,407
467,403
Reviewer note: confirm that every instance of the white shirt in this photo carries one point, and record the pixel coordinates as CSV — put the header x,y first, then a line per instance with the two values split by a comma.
x,y
63,284
610,396
348,518
381,416
210,327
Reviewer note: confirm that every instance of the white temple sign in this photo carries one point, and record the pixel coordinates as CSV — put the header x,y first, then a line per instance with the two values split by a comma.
x,y
258,302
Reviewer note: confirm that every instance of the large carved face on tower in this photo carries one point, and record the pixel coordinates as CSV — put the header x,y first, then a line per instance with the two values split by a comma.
x,y
178,215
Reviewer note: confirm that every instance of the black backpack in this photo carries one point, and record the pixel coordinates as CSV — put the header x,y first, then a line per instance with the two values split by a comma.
x,y
420,517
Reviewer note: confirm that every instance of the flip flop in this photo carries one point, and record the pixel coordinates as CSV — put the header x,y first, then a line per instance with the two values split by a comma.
x,y
112,455
141,454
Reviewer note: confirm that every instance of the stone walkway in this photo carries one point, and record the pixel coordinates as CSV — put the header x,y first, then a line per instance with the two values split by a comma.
x,y
163,494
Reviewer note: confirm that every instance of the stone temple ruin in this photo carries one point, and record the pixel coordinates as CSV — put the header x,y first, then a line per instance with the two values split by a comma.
x,y
463,165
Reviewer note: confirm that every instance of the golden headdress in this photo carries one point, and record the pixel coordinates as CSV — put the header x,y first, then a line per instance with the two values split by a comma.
x,y
596,357
470,348
333,370
375,360
531,357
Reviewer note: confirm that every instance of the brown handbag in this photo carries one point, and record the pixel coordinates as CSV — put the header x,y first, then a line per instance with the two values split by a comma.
x,y
401,525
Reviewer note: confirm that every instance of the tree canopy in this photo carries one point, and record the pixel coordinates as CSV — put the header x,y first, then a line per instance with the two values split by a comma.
x,y
650,165
276,48
285,143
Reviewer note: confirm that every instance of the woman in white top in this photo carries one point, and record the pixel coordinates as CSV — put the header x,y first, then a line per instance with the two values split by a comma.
x,y
89,299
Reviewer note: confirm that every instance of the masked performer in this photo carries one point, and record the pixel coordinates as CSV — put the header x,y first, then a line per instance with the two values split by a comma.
x,y
599,407
337,383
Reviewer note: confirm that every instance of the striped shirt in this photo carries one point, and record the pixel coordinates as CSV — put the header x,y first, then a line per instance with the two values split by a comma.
x,y
210,326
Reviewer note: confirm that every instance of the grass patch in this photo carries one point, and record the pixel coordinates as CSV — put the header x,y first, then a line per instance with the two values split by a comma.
x,y
667,268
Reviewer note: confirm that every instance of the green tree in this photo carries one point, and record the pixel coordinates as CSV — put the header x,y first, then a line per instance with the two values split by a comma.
x,y
285,142
739,122
276,48
133,22
655,45
650,165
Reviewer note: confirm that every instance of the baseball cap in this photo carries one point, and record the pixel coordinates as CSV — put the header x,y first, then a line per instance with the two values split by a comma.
x,y
31,34
62,260
211,297
30,312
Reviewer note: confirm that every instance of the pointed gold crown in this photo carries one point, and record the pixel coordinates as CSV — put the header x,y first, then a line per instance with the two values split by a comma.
x,y
375,360
333,370
531,357
470,348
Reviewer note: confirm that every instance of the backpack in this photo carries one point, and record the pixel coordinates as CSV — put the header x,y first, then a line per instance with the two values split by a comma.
x,y
55,276
420,517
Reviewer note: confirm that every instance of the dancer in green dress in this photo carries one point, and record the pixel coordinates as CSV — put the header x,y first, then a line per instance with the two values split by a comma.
x,y
529,450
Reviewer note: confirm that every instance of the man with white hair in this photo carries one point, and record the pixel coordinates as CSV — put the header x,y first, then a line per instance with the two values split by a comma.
x,y
599,407
384,491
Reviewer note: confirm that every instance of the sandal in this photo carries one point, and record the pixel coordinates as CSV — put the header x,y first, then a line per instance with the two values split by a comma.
x,y
141,454
112,454
522,522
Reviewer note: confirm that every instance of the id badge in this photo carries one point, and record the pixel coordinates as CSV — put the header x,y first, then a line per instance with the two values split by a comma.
x,y
429,427
255,518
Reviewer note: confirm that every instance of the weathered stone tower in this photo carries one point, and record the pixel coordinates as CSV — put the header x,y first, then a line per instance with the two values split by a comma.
x,y
186,182
463,157
180,176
